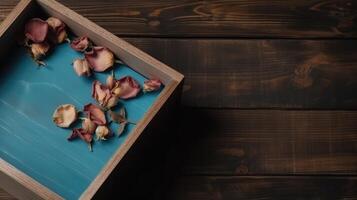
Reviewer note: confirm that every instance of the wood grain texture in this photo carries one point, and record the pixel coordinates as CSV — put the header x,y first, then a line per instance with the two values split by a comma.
x,y
5,196
239,18
256,142
224,73
264,187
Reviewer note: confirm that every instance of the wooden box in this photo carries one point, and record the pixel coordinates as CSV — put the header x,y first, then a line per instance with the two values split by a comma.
x,y
17,181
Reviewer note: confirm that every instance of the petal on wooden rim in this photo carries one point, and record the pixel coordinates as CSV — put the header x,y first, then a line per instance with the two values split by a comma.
x,y
36,30
152,85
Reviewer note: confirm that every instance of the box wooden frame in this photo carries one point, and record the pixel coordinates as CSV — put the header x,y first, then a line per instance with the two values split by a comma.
x,y
23,186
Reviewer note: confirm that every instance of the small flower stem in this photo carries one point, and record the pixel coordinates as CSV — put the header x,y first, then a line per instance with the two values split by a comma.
x,y
40,63
68,40
129,122
90,147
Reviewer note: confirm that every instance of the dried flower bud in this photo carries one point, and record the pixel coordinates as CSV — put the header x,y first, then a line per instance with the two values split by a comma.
x,y
129,87
88,125
152,85
81,67
57,29
100,58
80,43
39,50
95,114
64,115
102,133
36,30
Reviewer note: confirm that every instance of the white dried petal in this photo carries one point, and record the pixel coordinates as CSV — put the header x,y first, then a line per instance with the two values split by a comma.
x,y
102,132
64,115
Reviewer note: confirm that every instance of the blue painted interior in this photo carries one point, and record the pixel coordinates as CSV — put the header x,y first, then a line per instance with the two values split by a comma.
x,y
28,138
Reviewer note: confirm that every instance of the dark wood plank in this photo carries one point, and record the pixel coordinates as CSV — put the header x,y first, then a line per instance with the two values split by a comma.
x,y
240,18
5,196
261,142
264,187
262,73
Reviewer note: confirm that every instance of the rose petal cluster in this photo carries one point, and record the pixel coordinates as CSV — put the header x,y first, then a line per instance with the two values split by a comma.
x,y
94,123
40,35
96,58
108,95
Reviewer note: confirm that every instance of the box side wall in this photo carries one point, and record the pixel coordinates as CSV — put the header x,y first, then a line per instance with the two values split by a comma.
x,y
142,170
12,180
133,57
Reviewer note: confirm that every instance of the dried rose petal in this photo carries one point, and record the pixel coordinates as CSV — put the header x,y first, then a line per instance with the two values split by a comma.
x,y
152,85
81,133
65,115
57,30
55,24
116,89
80,43
118,117
103,95
95,114
100,58
129,88
121,128
36,30
39,50
88,126
102,133
81,67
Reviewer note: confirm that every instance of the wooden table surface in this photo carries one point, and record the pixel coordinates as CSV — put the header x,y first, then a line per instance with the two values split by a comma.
x,y
270,97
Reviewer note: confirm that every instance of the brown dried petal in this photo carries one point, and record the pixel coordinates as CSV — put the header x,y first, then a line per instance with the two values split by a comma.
x,y
64,115
57,31
81,133
55,24
121,128
95,114
80,43
81,67
36,30
152,85
129,88
100,58
103,95
39,50
88,126
118,117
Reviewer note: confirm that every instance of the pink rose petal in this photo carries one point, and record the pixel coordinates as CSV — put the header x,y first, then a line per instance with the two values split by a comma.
x,y
95,114
129,87
152,85
100,58
80,43
36,30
